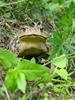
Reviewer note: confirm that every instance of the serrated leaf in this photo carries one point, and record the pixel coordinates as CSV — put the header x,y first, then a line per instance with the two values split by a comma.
x,y
21,82
60,61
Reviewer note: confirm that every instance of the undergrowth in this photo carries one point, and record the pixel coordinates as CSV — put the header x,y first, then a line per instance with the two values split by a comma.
x,y
25,79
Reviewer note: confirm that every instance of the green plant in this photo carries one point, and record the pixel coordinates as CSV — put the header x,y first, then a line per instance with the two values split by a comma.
x,y
21,70
56,13
60,63
62,39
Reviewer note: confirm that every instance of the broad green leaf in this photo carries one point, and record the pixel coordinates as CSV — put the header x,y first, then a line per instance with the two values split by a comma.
x,y
15,80
7,58
34,70
60,61
62,73
10,80
21,82
26,69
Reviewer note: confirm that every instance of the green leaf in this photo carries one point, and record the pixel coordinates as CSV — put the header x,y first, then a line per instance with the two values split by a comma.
x,y
10,80
33,60
34,70
26,69
60,61
15,79
7,58
62,73
21,82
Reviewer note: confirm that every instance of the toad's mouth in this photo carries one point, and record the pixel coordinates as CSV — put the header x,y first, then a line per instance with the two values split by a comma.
x,y
32,38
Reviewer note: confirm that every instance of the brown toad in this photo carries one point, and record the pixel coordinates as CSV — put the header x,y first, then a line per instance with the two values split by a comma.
x,y
30,42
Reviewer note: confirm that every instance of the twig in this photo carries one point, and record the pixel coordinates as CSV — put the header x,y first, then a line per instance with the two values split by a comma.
x,y
47,63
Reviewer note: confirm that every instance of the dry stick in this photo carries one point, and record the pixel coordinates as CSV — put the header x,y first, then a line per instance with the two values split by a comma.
x,y
12,3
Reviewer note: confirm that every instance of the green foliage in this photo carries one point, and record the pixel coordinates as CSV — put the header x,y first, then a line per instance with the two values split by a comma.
x,y
21,82
15,75
63,30
7,58
60,63
35,70
60,15
22,70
